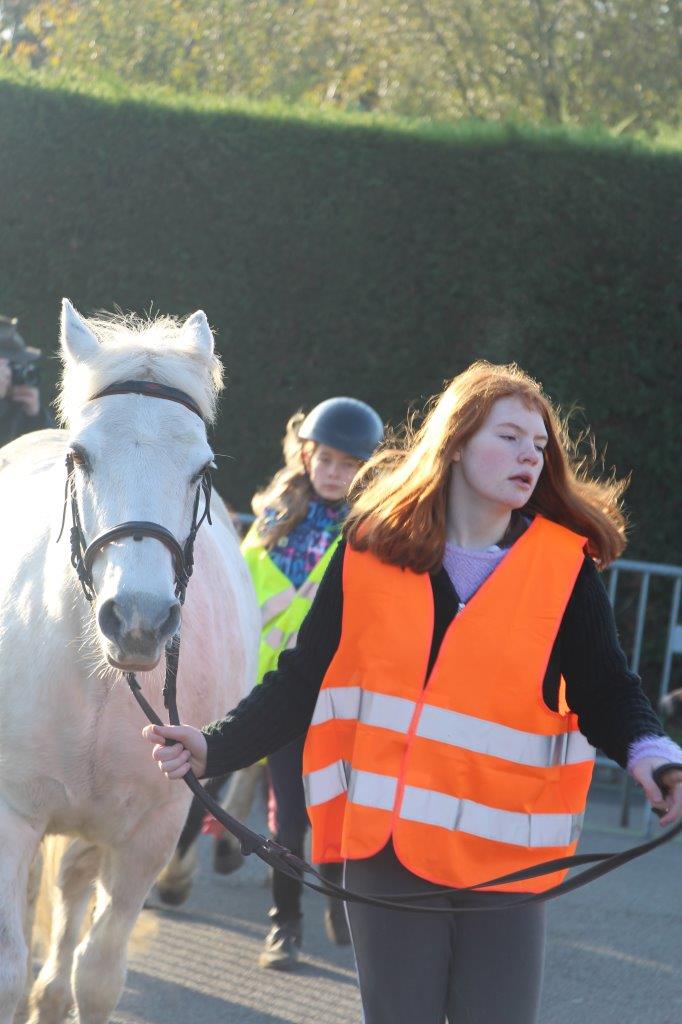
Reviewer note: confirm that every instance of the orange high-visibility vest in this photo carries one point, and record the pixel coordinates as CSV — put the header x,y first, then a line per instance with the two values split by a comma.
x,y
472,776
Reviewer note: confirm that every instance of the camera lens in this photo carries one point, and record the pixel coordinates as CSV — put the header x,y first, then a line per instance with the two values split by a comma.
x,y
25,373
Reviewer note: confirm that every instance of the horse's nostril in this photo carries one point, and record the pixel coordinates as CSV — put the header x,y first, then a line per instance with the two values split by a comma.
x,y
171,623
110,619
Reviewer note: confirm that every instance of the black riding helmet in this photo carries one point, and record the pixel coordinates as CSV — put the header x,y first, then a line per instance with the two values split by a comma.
x,y
344,423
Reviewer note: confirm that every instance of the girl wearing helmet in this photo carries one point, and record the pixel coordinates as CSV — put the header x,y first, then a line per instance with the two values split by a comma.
x,y
299,516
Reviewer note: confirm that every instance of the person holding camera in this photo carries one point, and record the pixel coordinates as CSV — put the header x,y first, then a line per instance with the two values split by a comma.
x,y
21,409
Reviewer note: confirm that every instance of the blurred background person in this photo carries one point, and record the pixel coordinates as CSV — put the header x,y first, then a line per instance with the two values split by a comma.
x,y
299,517
21,406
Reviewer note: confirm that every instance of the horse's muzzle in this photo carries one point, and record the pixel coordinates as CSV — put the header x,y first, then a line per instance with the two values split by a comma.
x,y
136,627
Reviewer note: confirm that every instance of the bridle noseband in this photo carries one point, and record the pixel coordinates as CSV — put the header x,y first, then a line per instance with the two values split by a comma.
x,y
83,554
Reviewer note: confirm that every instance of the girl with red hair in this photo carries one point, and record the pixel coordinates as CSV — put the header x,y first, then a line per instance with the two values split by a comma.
x,y
456,670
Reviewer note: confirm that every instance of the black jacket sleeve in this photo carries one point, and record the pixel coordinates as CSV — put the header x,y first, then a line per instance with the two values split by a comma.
x,y
608,699
281,707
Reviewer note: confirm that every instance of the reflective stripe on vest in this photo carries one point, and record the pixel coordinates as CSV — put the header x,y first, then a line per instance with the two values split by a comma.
x,y
327,783
369,789
510,827
471,775
385,712
276,604
502,741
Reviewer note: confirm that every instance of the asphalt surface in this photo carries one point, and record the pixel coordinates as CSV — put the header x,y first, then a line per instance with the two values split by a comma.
x,y
613,952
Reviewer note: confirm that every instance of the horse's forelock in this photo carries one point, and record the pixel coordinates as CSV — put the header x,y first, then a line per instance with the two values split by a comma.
x,y
135,349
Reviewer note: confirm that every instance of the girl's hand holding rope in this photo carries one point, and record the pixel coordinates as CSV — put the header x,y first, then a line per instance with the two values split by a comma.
x,y
188,751
668,804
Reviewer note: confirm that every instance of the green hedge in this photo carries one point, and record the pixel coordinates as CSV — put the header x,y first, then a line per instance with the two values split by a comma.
x,y
353,258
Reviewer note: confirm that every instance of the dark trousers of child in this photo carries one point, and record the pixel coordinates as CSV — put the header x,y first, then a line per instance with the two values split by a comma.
x,y
469,968
289,823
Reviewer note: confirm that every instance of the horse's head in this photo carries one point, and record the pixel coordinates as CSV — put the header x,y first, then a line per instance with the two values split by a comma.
x,y
136,458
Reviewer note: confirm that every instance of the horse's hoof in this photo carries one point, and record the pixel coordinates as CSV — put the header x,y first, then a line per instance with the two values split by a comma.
x,y
173,897
227,857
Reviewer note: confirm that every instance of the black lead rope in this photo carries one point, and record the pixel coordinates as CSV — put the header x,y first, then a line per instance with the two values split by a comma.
x,y
283,860
278,857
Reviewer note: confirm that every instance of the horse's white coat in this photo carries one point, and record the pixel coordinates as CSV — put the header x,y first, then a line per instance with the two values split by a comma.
x,y
72,760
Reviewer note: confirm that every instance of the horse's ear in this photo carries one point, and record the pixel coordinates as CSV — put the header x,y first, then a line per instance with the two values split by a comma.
x,y
197,334
78,341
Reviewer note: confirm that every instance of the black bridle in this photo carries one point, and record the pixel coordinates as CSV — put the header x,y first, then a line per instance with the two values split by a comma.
x,y
279,857
83,554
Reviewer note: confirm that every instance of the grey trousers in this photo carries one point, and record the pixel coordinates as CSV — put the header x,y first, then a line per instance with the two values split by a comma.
x,y
469,968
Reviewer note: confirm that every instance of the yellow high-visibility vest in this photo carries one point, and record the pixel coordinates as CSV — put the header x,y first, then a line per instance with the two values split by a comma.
x,y
283,607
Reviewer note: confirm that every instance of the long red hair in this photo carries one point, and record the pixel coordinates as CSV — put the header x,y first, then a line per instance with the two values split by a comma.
x,y
399,497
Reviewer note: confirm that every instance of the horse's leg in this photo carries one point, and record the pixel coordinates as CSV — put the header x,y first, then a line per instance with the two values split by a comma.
x,y
227,854
126,875
175,881
29,919
51,996
196,814
18,844
242,790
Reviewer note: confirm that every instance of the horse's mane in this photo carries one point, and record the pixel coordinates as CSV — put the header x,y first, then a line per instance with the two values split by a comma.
x,y
132,348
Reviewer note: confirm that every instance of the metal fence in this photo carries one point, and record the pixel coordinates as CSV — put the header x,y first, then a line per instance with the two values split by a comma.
x,y
641,575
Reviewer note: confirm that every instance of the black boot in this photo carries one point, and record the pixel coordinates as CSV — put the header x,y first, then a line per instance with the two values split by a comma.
x,y
282,943
335,921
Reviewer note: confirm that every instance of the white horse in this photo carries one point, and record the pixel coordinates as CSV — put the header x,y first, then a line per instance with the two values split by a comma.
x,y
72,760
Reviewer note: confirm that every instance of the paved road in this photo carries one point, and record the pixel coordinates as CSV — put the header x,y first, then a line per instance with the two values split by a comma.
x,y
613,954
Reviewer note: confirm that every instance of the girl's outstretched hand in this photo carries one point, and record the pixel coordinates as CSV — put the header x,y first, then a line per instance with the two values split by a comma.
x,y
671,804
188,751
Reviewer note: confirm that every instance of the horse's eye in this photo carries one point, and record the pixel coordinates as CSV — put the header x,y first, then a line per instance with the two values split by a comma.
x,y
197,476
80,459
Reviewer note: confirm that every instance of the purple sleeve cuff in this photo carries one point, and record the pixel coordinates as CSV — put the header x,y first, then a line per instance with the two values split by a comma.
x,y
653,746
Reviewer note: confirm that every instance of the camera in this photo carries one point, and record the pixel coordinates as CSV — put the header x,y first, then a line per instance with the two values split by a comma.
x,y
24,373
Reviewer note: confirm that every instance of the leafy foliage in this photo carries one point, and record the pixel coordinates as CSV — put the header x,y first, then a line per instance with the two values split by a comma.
x,y
610,62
